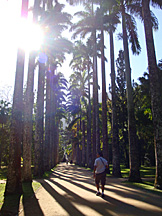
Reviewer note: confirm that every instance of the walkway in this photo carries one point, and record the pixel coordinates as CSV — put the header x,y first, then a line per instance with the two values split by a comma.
x,y
71,191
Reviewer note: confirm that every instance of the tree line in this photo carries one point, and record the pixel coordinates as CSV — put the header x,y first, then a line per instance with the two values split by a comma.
x,y
126,125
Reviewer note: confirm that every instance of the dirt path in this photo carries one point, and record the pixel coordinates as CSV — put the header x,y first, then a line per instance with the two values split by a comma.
x,y
71,191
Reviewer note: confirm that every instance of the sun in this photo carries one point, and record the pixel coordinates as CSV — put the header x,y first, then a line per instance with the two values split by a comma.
x,y
29,36
17,32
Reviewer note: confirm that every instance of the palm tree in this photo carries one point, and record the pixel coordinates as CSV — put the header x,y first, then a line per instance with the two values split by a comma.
x,y
74,107
142,9
89,24
129,32
39,128
156,99
75,2
100,13
81,60
28,108
113,20
60,97
77,103
121,106
47,150
54,21
14,183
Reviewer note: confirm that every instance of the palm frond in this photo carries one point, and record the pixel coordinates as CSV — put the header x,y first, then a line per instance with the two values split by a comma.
x,y
132,34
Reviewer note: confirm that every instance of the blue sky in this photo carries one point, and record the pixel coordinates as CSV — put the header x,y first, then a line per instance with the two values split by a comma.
x,y
138,63
9,11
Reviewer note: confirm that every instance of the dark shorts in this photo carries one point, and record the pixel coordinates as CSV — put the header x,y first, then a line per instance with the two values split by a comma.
x,y
100,177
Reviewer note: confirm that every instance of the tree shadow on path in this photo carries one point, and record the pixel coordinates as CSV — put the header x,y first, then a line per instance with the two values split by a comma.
x,y
125,191
29,209
65,203
10,205
13,205
115,203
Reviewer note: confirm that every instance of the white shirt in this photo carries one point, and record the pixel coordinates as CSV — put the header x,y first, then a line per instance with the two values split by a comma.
x,y
100,164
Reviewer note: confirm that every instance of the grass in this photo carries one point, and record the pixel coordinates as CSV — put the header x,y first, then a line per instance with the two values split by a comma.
x,y
146,186
2,189
147,173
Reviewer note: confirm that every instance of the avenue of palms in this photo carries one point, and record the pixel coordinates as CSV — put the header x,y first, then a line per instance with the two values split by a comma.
x,y
65,118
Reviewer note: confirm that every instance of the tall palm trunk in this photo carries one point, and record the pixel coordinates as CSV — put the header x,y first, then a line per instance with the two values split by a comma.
x,y
39,129
133,145
27,130
47,150
52,117
115,139
156,100
57,142
55,125
78,153
96,136
89,147
104,105
28,109
14,183
83,144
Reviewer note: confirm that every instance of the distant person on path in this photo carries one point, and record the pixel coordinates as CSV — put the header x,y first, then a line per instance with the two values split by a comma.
x,y
99,173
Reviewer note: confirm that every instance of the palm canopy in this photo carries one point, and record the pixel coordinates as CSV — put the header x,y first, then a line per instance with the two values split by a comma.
x,y
121,7
86,24
136,9
54,22
78,91
154,3
81,56
76,2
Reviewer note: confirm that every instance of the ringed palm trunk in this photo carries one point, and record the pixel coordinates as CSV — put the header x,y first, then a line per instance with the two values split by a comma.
x,y
156,100
14,183
55,127
78,158
83,144
28,110
47,157
57,143
28,126
134,174
52,118
39,131
104,105
96,138
89,147
115,139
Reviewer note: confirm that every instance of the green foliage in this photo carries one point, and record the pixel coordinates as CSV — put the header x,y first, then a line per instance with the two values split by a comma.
x,y
121,105
144,122
2,189
5,113
3,173
68,149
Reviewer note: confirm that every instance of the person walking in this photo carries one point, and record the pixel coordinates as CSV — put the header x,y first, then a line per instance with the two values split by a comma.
x,y
99,173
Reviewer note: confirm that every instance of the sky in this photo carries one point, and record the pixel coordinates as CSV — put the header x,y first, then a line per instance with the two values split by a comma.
x,y
9,15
